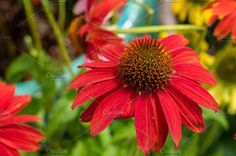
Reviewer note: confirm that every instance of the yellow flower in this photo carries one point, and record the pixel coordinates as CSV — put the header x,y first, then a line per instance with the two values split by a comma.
x,y
191,11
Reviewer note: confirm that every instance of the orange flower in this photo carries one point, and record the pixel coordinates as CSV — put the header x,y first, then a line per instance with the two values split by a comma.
x,y
225,12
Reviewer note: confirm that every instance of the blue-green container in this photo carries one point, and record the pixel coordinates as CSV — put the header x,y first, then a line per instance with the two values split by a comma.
x,y
136,14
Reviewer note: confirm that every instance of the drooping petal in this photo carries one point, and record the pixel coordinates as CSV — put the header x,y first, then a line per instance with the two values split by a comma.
x,y
174,41
89,4
224,27
87,115
189,110
83,30
234,32
113,52
99,64
92,52
18,103
92,76
21,131
109,109
19,119
7,151
177,52
212,20
224,8
6,95
150,124
196,73
101,9
184,55
129,109
194,92
101,37
172,115
32,132
126,112
95,90
18,140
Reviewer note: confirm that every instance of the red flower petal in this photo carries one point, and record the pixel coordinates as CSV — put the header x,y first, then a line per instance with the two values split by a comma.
x,y
18,103
33,133
150,124
84,29
113,52
15,136
234,32
19,137
224,27
21,131
89,4
101,37
196,73
174,41
212,20
195,92
100,10
184,55
6,95
182,51
109,109
189,110
95,90
92,52
7,151
172,115
224,8
92,76
127,111
87,115
19,119
99,64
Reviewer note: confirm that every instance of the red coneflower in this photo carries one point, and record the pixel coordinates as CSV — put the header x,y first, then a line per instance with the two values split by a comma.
x,y
225,11
14,134
154,81
90,32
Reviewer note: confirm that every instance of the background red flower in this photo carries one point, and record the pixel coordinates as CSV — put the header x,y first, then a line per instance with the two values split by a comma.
x,y
15,135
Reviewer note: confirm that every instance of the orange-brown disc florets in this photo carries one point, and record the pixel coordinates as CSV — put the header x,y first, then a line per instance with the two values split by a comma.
x,y
146,66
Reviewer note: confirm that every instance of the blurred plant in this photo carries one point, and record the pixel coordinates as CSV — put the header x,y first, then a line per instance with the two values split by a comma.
x,y
191,11
224,67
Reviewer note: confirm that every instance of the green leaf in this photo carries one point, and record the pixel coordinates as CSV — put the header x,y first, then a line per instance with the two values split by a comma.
x,y
20,67
60,114
219,117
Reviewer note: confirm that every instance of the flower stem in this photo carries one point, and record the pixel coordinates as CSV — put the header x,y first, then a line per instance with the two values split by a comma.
x,y
29,11
158,28
62,14
59,36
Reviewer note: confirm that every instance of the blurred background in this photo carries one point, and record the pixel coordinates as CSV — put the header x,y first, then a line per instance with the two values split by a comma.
x,y
34,37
